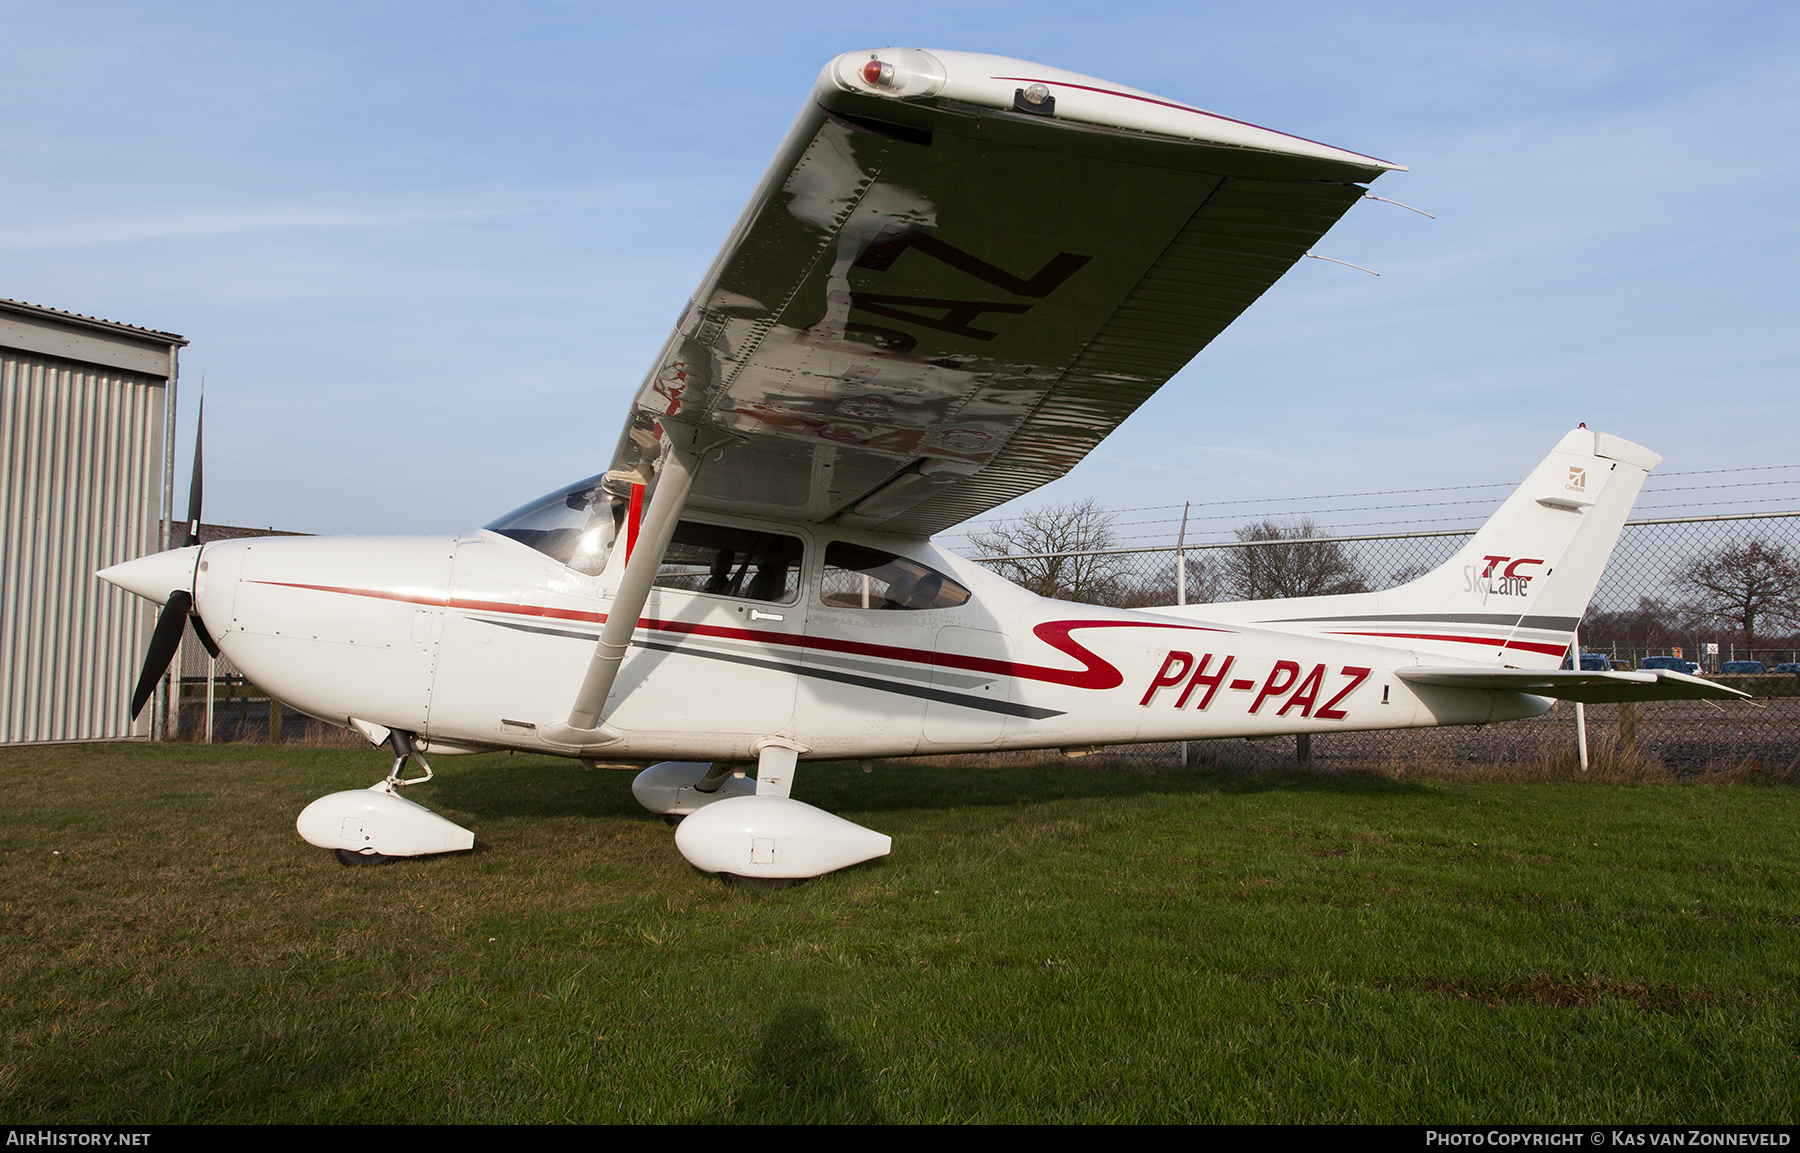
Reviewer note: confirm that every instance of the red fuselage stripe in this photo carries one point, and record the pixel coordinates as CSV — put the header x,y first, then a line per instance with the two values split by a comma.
x,y
1490,642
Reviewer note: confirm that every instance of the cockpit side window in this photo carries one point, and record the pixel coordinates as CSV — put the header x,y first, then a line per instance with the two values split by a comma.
x,y
575,525
865,578
732,562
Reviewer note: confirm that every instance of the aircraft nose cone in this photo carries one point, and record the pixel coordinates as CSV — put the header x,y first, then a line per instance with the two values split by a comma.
x,y
155,576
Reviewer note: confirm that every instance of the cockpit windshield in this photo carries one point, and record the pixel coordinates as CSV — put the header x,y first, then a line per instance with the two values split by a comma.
x,y
575,525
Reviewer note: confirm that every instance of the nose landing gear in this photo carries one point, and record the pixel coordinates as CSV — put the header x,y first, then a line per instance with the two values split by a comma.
x,y
376,824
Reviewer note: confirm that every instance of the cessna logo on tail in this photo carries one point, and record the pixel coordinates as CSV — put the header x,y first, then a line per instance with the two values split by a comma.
x,y
1499,576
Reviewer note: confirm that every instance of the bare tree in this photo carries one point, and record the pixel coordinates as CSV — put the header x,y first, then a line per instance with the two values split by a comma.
x,y
1651,627
1041,541
1301,568
1751,583
1411,572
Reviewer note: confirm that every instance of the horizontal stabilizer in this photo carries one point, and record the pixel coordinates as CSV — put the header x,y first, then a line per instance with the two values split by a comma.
x,y
1573,685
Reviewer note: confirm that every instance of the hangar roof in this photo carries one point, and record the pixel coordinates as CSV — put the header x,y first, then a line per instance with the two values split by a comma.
x,y
73,336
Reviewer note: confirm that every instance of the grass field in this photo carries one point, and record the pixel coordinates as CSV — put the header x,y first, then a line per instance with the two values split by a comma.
x,y
1062,943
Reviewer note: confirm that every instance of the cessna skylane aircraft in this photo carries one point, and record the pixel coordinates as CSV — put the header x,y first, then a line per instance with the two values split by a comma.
x,y
960,273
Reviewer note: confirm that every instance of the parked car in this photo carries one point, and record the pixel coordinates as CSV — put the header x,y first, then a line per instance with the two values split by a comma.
x,y
1789,667
1741,668
1673,664
1591,662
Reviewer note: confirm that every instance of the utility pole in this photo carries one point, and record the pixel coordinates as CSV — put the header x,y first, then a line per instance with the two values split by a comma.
x,y
160,706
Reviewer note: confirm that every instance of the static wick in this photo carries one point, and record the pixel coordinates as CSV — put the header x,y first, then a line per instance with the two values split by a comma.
x,y
1408,207
1345,263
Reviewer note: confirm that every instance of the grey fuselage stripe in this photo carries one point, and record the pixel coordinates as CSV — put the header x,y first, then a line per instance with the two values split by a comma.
x,y
1030,712
1009,708
1506,620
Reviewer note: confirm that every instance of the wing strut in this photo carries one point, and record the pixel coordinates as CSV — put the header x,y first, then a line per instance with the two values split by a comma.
x,y
687,448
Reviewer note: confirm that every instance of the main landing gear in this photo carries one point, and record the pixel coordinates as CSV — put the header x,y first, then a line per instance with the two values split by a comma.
x,y
373,825
750,831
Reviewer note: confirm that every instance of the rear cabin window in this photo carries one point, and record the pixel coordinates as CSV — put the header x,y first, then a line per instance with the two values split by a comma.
x,y
732,562
865,578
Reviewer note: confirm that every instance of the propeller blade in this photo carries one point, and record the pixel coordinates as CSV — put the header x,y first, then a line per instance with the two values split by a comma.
x,y
164,643
206,640
193,517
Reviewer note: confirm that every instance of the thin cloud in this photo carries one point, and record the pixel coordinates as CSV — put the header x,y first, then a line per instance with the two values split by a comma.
x,y
1155,467
221,220
1238,450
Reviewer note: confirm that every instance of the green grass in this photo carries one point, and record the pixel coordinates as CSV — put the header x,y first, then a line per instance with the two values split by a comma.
x,y
1044,944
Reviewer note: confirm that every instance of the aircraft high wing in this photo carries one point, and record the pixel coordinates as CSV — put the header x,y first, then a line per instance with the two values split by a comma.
x,y
960,273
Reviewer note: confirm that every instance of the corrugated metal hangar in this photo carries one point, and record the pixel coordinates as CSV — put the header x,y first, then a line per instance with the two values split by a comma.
x,y
86,433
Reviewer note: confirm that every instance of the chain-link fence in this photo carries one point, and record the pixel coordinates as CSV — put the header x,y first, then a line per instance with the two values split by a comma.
x,y
1719,592
216,703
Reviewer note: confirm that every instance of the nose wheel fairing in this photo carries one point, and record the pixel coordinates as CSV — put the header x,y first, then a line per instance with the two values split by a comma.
x,y
377,822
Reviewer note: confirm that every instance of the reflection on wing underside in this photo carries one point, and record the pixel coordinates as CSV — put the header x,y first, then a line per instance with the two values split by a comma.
x,y
968,302
817,671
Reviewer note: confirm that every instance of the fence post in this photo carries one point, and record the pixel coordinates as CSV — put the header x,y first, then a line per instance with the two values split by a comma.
x,y
1628,730
274,721
1580,709
1181,586
1303,749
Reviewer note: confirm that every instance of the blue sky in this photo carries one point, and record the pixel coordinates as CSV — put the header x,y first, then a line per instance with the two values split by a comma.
x,y
425,251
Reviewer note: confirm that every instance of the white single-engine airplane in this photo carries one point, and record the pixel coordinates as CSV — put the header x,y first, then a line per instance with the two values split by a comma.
x,y
960,273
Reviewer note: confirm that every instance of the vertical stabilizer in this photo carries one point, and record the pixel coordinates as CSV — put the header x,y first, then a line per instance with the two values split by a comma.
x,y
1511,596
